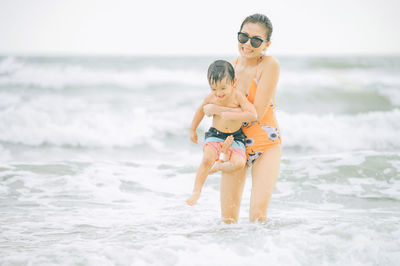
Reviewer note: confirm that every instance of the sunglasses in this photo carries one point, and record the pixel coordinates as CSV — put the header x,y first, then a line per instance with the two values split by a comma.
x,y
254,41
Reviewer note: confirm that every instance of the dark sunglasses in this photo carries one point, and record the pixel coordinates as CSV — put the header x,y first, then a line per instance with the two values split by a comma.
x,y
254,41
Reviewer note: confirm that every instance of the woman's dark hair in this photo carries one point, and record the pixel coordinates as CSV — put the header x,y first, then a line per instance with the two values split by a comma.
x,y
219,70
260,19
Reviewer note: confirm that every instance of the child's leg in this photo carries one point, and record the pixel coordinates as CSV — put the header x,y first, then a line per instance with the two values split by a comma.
x,y
209,157
235,163
224,150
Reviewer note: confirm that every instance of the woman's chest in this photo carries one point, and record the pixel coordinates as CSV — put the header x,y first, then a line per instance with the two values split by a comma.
x,y
244,79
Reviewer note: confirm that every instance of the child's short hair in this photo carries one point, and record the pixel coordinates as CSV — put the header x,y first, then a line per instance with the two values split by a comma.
x,y
219,70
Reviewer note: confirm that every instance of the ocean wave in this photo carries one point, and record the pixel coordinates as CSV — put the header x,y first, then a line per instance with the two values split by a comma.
x,y
4,154
345,62
61,74
332,132
354,85
9,65
354,79
15,72
51,120
77,122
112,118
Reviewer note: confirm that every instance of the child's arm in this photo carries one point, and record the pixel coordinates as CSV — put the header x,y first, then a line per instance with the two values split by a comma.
x,y
248,111
198,116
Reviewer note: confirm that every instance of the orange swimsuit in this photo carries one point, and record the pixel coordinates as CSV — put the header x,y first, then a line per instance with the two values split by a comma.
x,y
260,135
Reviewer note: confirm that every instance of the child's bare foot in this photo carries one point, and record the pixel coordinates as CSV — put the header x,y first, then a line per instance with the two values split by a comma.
x,y
215,168
227,144
193,199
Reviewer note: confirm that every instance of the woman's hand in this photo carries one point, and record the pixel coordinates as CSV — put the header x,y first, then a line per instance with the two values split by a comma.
x,y
211,109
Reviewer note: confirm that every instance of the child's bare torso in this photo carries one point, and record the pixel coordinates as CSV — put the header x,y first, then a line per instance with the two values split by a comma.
x,y
223,125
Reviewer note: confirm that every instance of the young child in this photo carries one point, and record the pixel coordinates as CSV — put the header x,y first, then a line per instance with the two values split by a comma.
x,y
224,141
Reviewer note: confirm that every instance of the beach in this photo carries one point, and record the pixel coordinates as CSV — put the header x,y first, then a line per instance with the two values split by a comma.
x,y
96,164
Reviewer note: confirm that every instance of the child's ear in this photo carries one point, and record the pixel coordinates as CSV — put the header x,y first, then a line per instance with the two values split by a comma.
x,y
268,43
234,82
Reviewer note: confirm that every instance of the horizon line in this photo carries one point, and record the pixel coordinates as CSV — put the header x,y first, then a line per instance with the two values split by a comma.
x,y
166,55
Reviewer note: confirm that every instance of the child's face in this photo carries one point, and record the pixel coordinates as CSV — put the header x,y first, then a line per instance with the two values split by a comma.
x,y
223,89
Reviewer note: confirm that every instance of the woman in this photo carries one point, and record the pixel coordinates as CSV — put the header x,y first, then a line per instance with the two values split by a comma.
x,y
257,77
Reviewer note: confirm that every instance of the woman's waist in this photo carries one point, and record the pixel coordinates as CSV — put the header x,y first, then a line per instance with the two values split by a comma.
x,y
264,123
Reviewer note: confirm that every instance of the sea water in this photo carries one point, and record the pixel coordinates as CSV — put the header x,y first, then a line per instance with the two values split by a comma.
x,y
96,165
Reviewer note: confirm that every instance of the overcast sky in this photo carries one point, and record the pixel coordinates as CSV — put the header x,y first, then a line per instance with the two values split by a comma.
x,y
203,27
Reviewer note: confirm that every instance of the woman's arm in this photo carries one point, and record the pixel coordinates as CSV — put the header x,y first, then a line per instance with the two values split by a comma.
x,y
266,85
214,109
247,111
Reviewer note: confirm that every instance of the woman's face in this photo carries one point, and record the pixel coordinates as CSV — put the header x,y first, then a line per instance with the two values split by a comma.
x,y
253,30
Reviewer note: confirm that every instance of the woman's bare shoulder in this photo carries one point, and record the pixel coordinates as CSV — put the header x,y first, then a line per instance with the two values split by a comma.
x,y
269,64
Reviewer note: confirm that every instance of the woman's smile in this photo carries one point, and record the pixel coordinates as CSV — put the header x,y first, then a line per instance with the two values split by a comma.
x,y
247,50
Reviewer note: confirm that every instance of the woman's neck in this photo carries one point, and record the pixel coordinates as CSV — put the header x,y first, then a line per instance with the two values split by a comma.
x,y
251,62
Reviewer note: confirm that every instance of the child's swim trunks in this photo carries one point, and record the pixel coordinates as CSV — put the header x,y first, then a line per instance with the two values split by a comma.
x,y
215,138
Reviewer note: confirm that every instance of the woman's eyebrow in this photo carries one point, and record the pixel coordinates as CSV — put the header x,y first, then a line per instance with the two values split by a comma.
x,y
253,36
258,36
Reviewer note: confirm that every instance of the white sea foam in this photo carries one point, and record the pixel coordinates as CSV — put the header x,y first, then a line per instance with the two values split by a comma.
x,y
4,154
7,99
19,72
59,122
110,212
353,79
80,121
16,73
9,65
76,121
367,131
391,93
119,198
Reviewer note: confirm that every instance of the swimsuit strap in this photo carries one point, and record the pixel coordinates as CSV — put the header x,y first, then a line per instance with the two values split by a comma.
x,y
255,73
254,85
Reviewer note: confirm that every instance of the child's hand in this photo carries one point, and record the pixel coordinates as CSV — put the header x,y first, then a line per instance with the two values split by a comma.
x,y
193,136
